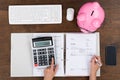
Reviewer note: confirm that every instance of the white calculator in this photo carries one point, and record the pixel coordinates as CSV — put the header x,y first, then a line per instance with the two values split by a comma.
x,y
43,50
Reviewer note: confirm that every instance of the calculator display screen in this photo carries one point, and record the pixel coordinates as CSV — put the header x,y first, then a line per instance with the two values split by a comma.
x,y
42,43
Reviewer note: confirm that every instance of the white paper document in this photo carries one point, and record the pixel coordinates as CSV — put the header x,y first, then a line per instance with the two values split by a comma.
x,y
78,49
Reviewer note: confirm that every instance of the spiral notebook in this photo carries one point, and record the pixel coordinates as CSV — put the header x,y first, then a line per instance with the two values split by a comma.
x,y
78,48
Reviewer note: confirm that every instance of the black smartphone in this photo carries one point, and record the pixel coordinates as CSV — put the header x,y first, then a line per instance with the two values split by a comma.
x,y
110,55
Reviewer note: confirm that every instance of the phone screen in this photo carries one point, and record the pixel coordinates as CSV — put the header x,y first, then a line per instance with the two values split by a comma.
x,y
110,56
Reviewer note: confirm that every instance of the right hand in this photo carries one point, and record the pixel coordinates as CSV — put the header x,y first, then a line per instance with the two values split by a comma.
x,y
50,72
94,65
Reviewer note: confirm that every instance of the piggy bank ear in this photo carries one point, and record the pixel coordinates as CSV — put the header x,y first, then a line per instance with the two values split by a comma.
x,y
96,23
96,4
81,17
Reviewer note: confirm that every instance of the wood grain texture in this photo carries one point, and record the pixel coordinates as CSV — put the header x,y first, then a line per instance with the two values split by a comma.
x,y
109,33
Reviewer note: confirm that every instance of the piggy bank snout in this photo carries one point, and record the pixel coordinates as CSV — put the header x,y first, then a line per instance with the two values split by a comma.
x,y
96,23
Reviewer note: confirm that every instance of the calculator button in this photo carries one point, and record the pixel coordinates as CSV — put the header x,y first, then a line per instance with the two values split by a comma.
x,y
39,57
40,62
50,59
39,50
34,50
43,49
50,48
46,56
35,65
35,59
43,64
35,53
50,52
44,52
46,63
39,53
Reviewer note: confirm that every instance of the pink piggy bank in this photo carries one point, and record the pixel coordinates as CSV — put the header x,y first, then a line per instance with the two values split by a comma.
x,y
90,17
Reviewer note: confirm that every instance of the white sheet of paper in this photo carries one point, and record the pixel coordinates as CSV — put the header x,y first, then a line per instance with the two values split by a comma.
x,y
79,50
21,65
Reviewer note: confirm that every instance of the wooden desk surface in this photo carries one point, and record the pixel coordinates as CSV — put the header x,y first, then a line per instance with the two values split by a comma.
x,y
109,33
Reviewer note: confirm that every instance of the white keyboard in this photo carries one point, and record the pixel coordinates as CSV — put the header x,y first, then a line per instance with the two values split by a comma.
x,y
35,14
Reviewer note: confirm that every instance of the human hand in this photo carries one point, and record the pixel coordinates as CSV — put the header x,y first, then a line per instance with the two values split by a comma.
x,y
94,65
50,72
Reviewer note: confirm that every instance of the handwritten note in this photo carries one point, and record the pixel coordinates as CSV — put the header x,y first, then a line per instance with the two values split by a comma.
x,y
79,50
